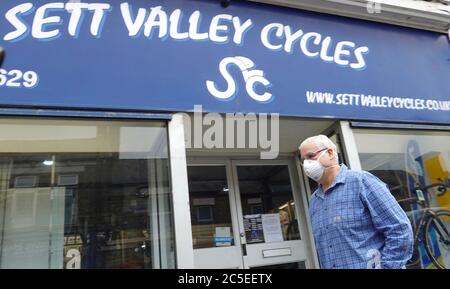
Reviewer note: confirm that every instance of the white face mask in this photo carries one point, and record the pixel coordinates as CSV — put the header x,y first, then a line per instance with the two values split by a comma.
x,y
314,168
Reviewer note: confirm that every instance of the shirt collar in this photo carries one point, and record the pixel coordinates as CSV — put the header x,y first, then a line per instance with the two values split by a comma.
x,y
340,178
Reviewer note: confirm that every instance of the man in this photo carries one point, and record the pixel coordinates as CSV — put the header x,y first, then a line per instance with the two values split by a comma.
x,y
356,221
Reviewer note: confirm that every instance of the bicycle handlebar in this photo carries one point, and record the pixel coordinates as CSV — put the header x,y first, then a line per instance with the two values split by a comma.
x,y
410,200
442,187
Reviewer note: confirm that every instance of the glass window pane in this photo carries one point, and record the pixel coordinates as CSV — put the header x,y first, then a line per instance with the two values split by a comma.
x,y
405,160
267,190
210,207
84,194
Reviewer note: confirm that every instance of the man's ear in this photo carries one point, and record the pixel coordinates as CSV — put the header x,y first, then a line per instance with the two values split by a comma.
x,y
334,154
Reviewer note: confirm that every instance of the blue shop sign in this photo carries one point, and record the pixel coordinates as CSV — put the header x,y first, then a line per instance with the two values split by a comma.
x,y
248,57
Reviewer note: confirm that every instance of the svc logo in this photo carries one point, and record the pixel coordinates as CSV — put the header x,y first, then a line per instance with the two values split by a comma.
x,y
251,77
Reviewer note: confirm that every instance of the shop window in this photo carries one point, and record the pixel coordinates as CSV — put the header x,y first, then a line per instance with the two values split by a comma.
x,y
406,160
85,194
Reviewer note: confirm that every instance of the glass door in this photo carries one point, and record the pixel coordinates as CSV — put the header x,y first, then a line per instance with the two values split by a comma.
x,y
215,232
271,215
247,214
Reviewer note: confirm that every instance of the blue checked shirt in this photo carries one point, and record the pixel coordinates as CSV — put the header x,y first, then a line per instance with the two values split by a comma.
x,y
357,223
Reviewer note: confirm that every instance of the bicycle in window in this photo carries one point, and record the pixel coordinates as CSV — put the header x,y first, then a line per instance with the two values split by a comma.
x,y
433,226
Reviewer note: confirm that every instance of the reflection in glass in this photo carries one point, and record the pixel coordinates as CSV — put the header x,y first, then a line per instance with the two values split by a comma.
x,y
266,189
210,207
404,160
82,194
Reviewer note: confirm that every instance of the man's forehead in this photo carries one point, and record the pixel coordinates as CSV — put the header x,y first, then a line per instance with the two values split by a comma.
x,y
307,150
309,147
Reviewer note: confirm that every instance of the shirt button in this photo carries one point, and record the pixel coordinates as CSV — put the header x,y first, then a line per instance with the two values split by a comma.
x,y
331,246
334,265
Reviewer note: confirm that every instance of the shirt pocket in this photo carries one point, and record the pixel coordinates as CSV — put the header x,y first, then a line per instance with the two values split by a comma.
x,y
345,223
347,218
349,210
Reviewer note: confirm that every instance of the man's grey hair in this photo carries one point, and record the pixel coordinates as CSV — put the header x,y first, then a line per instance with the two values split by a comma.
x,y
321,141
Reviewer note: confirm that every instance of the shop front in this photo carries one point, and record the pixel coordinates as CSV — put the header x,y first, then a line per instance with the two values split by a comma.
x,y
164,134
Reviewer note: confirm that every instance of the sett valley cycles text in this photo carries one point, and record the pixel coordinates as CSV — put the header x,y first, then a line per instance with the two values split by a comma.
x,y
49,21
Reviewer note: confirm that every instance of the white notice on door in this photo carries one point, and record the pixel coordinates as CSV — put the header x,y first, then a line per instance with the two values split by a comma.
x,y
272,228
223,236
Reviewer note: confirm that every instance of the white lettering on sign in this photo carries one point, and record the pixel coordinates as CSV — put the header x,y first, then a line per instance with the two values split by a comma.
x,y
252,77
17,79
48,24
47,27
276,36
168,25
375,101
21,28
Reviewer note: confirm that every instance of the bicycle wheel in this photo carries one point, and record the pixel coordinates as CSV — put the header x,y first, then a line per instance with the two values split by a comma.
x,y
437,239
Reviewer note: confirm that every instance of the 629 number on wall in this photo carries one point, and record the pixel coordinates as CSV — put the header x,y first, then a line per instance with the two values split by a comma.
x,y
16,78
